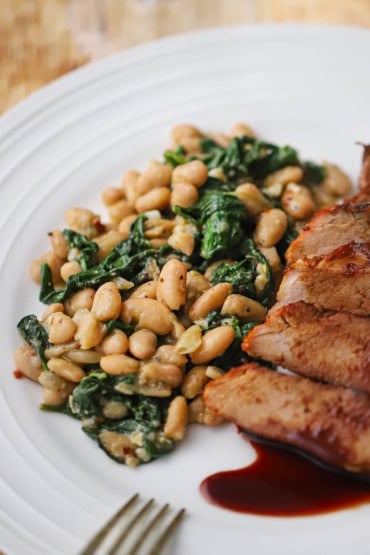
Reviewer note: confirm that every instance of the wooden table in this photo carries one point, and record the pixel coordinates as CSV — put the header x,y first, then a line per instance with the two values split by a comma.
x,y
42,39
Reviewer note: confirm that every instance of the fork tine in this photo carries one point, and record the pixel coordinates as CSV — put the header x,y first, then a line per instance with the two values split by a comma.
x,y
148,529
156,549
117,544
103,532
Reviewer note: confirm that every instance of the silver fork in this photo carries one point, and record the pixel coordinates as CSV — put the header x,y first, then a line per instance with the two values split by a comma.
x,y
144,527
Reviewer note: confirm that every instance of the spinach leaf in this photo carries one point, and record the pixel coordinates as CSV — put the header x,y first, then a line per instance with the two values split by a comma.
x,y
242,274
246,156
126,260
135,244
138,434
142,425
266,295
85,401
265,158
63,408
175,157
313,173
147,410
119,325
221,235
81,248
35,335
230,159
219,216
215,201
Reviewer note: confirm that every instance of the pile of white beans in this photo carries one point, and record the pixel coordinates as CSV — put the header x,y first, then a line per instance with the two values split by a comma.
x,y
166,311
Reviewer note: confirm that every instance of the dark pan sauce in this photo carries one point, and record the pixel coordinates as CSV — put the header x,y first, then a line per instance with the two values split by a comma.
x,y
282,482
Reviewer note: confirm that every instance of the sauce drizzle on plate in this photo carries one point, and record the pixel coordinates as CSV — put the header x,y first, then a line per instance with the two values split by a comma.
x,y
281,482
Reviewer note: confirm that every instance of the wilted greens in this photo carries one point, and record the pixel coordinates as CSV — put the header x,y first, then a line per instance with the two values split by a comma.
x,y
125,413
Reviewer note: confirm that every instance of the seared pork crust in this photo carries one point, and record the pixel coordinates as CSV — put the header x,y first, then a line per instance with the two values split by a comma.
x,y
338,280
331,228
332,423
329,346
363,194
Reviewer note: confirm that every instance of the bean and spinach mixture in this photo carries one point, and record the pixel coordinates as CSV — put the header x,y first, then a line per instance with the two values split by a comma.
x,y
144,310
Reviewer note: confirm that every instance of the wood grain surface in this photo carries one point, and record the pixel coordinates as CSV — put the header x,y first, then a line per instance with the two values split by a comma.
x,y
43,39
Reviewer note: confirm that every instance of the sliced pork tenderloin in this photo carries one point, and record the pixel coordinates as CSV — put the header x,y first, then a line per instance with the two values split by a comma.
x,y
324,345
338,280
329,422
331,228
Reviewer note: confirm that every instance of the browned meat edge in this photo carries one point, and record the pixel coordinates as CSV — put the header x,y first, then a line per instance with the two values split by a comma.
x,y
338,280
332,423
330,228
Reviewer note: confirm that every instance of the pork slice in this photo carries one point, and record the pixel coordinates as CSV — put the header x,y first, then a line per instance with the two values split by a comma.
x,y
363,194
338,280
329,422
331,228
364,182
330,346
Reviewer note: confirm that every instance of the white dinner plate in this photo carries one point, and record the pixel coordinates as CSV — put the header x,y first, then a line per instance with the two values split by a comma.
x,y
308,86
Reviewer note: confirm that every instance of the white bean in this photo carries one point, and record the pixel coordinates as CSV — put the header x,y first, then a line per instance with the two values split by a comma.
x,y
289,174
82,299
168,354
214,343
271,226
153,371
109,240
297,201
195,172
111,196
116,343
107,302
241,129
61,328
142,344
156,199
157,175
194,382
171,289
70,269
66,369
119,210
252,198
336,182
54,307
28,362
90,331
59,243
210,300
147,313
119,365
245,308
185,195
177,418
83,221
187,136
146,290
